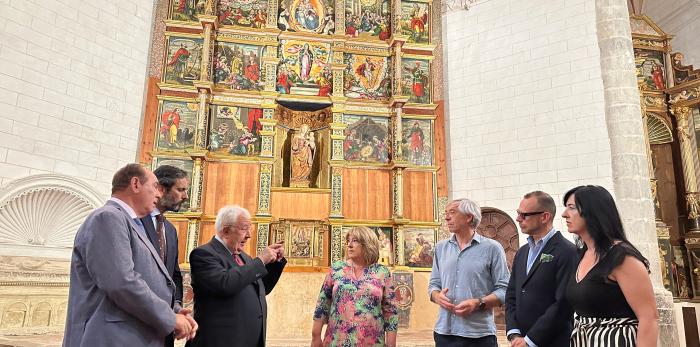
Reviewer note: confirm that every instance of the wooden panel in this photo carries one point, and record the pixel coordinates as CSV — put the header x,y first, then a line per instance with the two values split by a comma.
x,y
300,205
418,196
666,187
230,184
207,230
690,325
367,194
149,119
181,227
439,149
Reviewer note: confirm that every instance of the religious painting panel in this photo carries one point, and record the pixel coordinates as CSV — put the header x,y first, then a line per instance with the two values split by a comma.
x,y
183,59
366,138
177,122
368,19
650,69
303,240
367,77
415,21
386,244
304,68
185,164
243,13
679,271
417,141
186,10
307,16
415,80
235,131
419,247
237,66
403,284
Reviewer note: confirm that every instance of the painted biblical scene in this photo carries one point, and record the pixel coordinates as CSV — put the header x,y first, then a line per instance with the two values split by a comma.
x,y
237,66
183,60
177,122
415,80
370,19
366,139
308,16
415,21
235,130
650,69
386,244
302,236
403,282
186,10
304,68
419,247
243,13
184,164
417,141
367,77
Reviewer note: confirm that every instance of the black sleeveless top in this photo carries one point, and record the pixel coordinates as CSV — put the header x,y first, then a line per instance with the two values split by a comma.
x,y
598,296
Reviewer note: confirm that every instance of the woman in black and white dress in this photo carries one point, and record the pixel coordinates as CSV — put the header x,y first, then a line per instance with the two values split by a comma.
x,y
611,291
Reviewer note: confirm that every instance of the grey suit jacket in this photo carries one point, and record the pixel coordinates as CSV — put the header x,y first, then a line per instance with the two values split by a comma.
x,y
120,292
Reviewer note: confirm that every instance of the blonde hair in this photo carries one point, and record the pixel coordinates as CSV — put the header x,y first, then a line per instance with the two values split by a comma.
x,y
369,241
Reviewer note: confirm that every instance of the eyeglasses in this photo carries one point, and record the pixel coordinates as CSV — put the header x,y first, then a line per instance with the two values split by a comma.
x,y
524,215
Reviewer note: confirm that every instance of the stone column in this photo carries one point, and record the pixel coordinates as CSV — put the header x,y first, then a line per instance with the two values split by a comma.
x,y
627,148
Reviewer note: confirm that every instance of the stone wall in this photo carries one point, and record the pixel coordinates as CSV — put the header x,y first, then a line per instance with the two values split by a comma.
x,y
72,78
525,104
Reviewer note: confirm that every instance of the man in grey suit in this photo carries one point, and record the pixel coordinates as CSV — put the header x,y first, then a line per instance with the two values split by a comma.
x,y
120,291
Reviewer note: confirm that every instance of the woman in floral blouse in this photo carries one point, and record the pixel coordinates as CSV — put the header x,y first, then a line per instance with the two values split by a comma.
x,y
357,298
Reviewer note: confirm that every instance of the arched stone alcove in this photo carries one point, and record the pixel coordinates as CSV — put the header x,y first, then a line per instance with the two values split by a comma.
x,y
40,214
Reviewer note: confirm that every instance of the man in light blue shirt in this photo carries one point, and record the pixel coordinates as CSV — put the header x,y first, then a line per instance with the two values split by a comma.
x,y
468,279
537,314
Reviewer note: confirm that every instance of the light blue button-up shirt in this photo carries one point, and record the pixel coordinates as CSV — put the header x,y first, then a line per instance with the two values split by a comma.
x,y
476,271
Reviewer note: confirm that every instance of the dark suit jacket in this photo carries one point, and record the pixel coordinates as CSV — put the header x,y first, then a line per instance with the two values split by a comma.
x,y
171,261
535,301
229,300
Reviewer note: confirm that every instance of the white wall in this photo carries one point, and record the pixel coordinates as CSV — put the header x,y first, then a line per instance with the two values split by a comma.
x,y
72,76
525,106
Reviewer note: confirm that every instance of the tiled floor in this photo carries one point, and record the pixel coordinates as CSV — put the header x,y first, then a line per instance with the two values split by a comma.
x,y
405,339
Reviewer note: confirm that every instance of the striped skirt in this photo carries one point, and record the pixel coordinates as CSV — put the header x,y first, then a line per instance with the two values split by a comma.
x,y
604,332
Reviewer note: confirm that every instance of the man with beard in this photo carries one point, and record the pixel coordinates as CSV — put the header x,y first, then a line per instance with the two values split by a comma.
x,y
173,185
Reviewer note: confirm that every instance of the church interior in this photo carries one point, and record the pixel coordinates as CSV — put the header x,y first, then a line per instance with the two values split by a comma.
x,y
321,115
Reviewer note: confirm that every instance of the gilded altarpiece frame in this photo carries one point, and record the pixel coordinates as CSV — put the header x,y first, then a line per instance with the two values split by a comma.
x,y
209,41
304,241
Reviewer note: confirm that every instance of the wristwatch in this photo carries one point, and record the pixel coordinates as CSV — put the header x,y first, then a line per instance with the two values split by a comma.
x,y
482,304
513,336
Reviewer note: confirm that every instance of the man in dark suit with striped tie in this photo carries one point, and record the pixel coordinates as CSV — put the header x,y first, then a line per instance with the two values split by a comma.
x,y
174,186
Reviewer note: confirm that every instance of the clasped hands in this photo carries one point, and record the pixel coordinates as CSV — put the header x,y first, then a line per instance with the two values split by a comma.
x,y
185,325
464,308
272,253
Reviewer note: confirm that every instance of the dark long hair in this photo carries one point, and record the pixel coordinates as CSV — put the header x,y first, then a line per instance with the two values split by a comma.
x,y
598,209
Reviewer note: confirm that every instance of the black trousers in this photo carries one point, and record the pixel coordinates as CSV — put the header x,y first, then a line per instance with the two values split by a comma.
x,y
459,341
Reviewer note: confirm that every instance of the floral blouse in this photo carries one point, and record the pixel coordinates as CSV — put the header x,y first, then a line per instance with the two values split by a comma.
x,y
358,311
